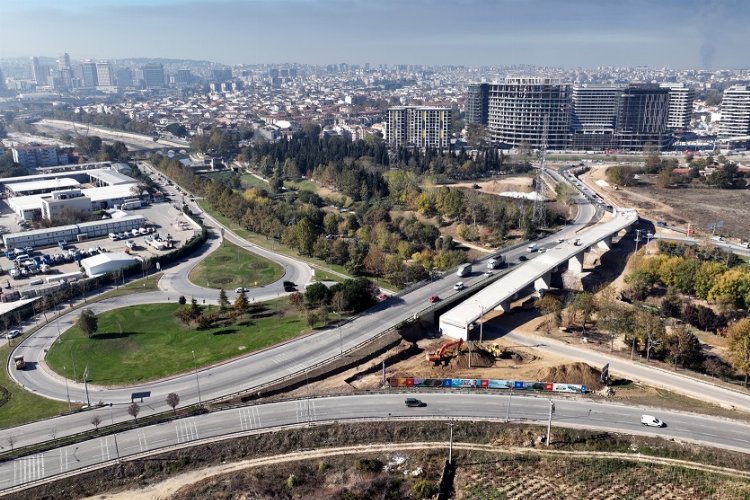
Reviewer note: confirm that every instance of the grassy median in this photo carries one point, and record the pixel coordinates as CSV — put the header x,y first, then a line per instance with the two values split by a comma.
x,y
148,342
230,266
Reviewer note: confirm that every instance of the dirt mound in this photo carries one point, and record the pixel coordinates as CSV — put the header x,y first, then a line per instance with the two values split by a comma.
x,y
574,373
479,359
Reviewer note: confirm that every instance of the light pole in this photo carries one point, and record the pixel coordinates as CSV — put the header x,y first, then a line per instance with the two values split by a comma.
x,y
450,444
197,382
114,434
549,420
67,391
481,322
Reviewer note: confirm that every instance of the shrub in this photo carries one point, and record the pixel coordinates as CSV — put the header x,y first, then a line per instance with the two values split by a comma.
x,y
370,465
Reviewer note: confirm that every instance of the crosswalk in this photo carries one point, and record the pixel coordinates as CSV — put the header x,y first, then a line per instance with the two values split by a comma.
x,y
28,468
305,409
186,430
249,418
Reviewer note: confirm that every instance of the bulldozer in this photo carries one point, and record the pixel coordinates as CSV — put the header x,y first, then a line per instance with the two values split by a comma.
x,y
441,356
494,349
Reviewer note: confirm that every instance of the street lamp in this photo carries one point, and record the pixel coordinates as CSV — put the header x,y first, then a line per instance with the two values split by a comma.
x,y
67,391
549,421
197,382
481,322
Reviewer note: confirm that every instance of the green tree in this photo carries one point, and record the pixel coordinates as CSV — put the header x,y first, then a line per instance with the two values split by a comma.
x,y
305,236
564,192
585,304
706,276
732,287
317,295
683,348
88,322
241,304
223,300
738,335
551,307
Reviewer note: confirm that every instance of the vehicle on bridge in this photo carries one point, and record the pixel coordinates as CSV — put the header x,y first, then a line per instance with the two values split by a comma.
x,y
441,355
463,270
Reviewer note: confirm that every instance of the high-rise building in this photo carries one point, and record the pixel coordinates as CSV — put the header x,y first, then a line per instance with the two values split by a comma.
x,y
39,72
592,117
735,112
519,107
419,126
681,99
183,77
642,113
153,75
104,74
124,77
221,75
477,100
3,88
89,79
65,71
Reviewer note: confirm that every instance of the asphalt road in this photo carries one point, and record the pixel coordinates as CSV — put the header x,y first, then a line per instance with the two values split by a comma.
x,y
569,412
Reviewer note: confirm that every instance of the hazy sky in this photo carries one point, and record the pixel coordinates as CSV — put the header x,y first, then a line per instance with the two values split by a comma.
x,y
674,33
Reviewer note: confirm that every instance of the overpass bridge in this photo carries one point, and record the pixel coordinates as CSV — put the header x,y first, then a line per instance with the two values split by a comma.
x,y
457,322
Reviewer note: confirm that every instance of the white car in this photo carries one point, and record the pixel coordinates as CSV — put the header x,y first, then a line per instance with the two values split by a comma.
x,y
459,286
13,334
240,289
651,421
487,274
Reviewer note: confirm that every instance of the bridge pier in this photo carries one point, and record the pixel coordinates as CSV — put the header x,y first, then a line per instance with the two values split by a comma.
x,y
575,263
605,244
543,282
503,306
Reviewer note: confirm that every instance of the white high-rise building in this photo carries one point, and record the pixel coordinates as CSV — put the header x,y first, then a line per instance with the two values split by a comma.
x,y
735,112
593,112
419,126
104,74
681,99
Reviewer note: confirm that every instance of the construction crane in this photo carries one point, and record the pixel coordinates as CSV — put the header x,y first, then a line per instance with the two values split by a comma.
x,y
539,215
440,356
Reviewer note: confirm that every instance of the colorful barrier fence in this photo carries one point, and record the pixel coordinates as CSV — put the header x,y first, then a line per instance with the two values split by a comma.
x,y
484,383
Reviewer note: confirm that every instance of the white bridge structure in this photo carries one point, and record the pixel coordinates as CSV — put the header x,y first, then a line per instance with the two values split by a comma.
x,y
458,321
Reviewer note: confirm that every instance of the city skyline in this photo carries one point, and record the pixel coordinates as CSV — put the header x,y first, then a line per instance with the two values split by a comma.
x,y
579,33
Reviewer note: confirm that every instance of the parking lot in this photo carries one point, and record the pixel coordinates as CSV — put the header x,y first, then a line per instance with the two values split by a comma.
x,y
42,265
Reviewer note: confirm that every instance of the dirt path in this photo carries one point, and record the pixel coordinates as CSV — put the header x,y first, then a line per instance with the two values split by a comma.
x,y
166,489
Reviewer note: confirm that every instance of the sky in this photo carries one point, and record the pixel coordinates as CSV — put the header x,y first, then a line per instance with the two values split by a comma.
x,y
708,34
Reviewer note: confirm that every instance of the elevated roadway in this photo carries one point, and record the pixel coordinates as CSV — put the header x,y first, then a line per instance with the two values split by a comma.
x,y
457,322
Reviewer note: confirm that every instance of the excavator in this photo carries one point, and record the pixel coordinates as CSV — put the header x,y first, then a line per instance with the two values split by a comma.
x,y
440,355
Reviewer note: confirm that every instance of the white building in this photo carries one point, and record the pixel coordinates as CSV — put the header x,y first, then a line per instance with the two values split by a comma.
x,y
104,263
419,126
735,112
104,75
681,99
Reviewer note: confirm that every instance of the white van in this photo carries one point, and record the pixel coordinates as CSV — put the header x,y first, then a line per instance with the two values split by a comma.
x,y
113,236
531,248
651,421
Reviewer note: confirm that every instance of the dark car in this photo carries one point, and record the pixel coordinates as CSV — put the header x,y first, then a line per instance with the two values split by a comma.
x,y
290,286
523,258
414,403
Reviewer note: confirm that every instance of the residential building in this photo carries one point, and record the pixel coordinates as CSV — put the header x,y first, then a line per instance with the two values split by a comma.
x,y
104,74
89,78
153,75
735,112
419,126
681,99
592,118
518,109
476,104
124,77
65,71
34,156
642,114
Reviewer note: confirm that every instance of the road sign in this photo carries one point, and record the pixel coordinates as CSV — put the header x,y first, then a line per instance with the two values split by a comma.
x,y
140,395
605,374
86,373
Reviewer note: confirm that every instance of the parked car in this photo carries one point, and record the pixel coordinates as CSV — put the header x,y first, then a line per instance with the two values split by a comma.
x,y
13,334
433,299
414,403
382,297
651,421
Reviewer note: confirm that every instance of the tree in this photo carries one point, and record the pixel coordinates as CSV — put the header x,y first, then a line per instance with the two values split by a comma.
x,y
339,302
195,310
684,348
134,410
705,277
585,304
182,300
297,300
95,421
550,307
738,335
564,193
317,294
223,300
173,400
88,322
241,304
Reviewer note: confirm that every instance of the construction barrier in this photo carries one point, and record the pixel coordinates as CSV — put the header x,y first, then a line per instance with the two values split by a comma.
x,y
483,383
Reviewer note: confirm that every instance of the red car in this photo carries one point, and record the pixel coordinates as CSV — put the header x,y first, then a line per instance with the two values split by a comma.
x,y
434,299
382,297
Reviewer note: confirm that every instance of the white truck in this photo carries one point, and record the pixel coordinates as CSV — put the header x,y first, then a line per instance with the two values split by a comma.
x,y
496,263
463,270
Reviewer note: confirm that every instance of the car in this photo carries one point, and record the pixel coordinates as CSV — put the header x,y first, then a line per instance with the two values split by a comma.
x,y
13,334
523,258
487,274
433,299
459,286
382,297
651,421
241,289
414,403
561,240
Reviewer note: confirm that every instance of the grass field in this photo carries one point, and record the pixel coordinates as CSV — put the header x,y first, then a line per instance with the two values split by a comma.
x,y
249,181
20,406
230,266
147,342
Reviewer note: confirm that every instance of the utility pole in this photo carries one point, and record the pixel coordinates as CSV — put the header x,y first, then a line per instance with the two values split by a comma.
x,y
481,324
510,400
197,382
86,384
67,391
549,420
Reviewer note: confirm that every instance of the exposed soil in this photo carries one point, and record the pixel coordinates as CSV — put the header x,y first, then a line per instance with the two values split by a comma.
x,y
573,373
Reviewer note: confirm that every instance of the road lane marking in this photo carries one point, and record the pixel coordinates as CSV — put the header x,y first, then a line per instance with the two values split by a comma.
x,y
104,448
142,443
249,418
186,430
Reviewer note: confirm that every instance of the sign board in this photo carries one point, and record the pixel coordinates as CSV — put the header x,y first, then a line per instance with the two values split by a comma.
x,y
140,395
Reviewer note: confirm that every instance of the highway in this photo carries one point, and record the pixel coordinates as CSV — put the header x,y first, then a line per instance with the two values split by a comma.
x,y
569,412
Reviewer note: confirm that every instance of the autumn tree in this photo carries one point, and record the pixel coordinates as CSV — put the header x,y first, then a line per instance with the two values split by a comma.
x,y
551,307
133,410
88,322
173,400
241,304
738,335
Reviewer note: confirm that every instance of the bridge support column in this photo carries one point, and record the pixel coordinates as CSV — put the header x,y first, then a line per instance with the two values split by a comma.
x,y
605,244
575,263
543,282
503,306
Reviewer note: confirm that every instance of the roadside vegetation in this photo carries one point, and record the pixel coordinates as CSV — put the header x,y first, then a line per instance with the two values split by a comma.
x,y
230,266
153,341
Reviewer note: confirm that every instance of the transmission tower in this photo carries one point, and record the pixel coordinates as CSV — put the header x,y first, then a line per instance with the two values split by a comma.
x,y
539,216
